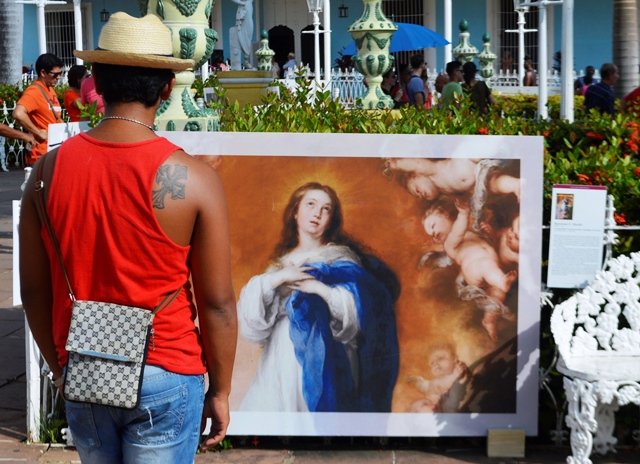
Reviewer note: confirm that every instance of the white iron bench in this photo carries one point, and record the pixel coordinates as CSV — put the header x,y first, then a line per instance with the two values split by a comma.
x,y
597,332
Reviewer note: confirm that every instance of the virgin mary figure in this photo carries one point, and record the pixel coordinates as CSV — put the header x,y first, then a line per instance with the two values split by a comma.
x,y
324,314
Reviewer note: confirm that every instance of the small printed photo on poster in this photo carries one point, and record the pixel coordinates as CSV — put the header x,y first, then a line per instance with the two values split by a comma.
x,y
564,207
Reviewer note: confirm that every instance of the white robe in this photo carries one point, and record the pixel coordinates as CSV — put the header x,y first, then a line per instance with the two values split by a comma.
x,y
277,385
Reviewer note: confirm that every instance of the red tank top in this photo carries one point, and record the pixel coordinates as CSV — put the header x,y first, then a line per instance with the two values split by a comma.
x,y
113,247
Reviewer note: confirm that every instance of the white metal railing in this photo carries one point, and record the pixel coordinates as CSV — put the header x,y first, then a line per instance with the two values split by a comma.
x,y
11,150
350,83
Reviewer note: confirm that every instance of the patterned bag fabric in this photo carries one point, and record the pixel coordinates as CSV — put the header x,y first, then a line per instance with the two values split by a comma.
x,y
107,347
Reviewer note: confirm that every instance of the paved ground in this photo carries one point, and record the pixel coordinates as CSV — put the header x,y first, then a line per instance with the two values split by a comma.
x,y
262,450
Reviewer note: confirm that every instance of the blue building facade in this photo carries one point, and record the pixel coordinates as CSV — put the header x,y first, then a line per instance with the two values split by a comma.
x,y
593,26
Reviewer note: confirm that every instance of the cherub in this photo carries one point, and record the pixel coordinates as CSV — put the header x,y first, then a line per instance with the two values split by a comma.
x,y
492,177
429,178
446,370
506,241
448,223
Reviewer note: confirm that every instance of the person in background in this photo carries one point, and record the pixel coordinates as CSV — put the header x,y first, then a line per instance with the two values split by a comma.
x,y
75,76
290,64
88,95
452,91
441,80
631,102
530,77
6,131
478,91
506,61
275,68
39,106
583,82
391,86
600,96
427,91
415,87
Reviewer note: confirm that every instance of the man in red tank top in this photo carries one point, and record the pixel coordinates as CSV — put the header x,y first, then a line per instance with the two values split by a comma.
x,y
143,220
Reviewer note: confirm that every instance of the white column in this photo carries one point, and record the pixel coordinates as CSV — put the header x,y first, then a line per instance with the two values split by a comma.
x,y
567,102
42,34
326,20
521,31
543,93
316,47
204,71
77,22
521,23
447,30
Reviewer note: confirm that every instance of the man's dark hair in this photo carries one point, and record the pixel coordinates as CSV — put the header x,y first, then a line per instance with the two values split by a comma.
x,y
607,70
416,61
128,84
403,68
452,66
469,70
74,75
48,61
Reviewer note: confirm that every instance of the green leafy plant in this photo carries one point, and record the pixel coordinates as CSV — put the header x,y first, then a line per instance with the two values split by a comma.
x,y
89,112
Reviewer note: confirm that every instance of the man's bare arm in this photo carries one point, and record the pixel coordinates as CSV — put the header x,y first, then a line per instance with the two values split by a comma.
x,y
21,115
35,277
8,132
215,298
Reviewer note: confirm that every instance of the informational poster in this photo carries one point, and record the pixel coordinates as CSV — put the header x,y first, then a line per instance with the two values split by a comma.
x,y
577,235
388,285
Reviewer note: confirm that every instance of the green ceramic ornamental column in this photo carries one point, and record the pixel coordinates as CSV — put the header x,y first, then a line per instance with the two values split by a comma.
x,y
464,51
372,33
192,39
264,53
486,58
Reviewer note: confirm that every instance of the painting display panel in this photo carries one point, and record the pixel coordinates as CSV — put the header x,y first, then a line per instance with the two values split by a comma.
x,y
418,315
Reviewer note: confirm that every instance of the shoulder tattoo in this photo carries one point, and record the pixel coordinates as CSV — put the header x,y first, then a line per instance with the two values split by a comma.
x,y
169,178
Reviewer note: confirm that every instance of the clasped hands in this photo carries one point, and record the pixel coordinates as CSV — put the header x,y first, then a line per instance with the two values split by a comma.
x,y
296,277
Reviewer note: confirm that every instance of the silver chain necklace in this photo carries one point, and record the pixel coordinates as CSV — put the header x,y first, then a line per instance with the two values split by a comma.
x,y
130,120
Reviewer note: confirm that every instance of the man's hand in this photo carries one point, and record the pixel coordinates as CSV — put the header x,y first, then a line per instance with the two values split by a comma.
x,y
41,135
216,409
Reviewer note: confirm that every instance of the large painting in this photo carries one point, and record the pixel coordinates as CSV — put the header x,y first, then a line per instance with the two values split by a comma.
x,y
387,285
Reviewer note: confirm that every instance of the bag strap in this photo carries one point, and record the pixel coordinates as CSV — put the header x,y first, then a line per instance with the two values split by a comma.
x,y
57,118
42,210
164,303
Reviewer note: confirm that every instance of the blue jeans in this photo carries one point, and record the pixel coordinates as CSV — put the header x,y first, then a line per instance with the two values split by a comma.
x,y
164,428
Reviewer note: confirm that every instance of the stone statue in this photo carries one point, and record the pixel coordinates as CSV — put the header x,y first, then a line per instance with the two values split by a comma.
x,y
240,36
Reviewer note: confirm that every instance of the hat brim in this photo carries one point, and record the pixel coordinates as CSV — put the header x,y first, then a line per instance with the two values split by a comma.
x,y
132,59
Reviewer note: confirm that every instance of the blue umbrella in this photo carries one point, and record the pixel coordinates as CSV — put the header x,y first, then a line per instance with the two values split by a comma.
x,y
407,37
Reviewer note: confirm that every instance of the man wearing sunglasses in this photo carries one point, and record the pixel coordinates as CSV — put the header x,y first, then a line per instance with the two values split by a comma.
x,y
39,106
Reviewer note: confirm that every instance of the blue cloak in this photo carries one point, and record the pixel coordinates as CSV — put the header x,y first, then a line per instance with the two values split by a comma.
x,y
327,380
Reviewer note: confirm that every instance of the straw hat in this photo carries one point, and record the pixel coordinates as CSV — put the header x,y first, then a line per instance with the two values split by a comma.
x,y
129,41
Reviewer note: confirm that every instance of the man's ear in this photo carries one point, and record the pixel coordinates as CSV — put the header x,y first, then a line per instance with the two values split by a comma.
x,y
166,92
